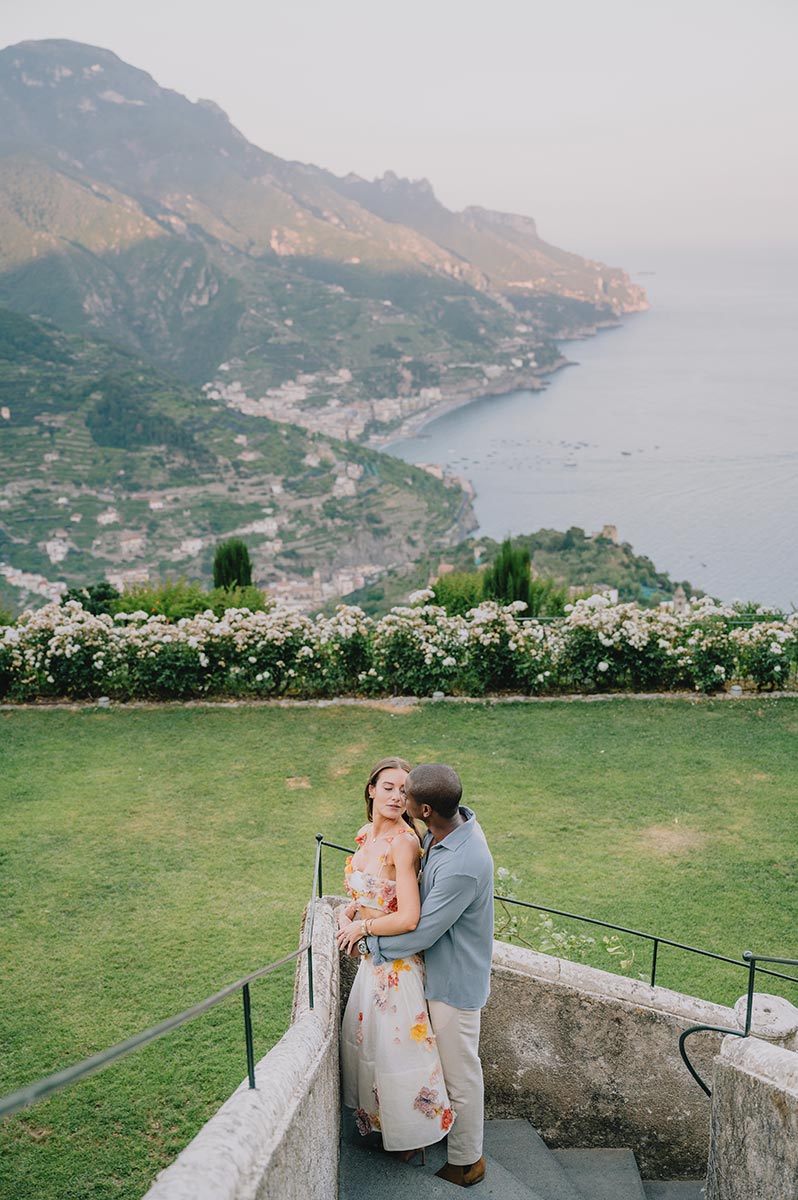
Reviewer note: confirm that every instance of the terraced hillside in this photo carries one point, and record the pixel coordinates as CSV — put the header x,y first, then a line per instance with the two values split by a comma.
x,y
109,466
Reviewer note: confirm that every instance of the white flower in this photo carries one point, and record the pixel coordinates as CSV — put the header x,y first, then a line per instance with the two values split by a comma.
x,y
603,666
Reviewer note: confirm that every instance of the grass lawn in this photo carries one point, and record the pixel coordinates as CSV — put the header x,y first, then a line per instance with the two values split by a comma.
x,y
150,856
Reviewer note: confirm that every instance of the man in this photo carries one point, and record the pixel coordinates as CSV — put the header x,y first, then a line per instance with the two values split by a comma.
x,y
455,931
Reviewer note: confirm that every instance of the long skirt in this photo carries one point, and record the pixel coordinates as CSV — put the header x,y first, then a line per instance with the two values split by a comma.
x,y
392,1073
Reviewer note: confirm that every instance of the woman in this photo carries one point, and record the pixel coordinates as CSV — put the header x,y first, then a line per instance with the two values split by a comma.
x,y
391,1069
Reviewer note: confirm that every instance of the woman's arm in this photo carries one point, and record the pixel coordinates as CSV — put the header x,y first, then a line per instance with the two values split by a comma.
x,y
408,901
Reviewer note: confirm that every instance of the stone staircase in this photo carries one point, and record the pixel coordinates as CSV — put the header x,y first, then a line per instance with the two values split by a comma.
x,y
520,1167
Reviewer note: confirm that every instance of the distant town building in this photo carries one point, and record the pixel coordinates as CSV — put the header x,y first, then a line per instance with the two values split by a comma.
x,y
132,543
134,577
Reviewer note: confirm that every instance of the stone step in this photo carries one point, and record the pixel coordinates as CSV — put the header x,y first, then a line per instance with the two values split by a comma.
x,y
519,1167
678,1189
368,1174
519,1147
603,1174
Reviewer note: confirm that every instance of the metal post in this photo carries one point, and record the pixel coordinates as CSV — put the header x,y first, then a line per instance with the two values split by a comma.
x,y
750,958
654,962
310,977
319,840
248,1036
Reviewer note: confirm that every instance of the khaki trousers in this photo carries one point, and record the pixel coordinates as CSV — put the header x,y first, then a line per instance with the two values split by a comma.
x,y
457,1034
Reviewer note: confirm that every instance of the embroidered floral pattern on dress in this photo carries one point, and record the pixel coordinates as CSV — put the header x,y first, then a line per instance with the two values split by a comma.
x,y
425,1102
366,1122
391,1069
418,1032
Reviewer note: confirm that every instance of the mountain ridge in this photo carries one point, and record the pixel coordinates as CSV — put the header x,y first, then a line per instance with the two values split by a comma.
x,y
271,290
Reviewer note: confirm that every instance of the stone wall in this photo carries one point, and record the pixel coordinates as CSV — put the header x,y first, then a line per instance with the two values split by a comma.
x,y
754,1122
280,1139
592,1059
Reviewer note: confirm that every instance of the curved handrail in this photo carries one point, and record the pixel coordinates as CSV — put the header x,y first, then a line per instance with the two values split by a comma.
x,y
48,1085
40,1089
752,959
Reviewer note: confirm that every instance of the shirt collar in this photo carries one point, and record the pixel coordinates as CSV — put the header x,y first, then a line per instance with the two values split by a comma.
x,y
457,836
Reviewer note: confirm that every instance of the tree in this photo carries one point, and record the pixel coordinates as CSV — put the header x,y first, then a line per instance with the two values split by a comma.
x,y
232,566
458,592
96,598
508,577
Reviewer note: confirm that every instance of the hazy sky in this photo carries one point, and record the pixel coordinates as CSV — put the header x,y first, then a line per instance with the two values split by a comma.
x,y
613,122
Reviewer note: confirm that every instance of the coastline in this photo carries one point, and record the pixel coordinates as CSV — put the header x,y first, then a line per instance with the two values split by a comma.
x,y
503,385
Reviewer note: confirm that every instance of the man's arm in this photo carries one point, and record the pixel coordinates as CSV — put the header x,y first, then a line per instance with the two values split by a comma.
x,y
446,901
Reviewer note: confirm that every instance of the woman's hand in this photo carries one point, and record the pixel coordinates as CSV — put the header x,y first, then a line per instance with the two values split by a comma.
x,y
350,935
346,915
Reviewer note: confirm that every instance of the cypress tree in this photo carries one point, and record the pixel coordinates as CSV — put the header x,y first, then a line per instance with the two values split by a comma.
x,y
508,578
232,566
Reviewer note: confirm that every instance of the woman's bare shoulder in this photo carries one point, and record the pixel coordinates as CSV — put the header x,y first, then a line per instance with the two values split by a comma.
x,y
361,837
406,849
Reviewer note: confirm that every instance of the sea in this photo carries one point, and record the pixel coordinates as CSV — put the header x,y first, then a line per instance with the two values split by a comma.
x,y
679,427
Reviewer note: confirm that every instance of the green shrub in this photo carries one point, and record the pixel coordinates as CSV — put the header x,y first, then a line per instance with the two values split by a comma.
x,y
232,566
172,598
187,650
710,651
547,598
219,599
458,592
96,598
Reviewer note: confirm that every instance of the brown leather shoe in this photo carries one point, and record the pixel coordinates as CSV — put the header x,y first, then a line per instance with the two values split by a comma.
x,y
463,1176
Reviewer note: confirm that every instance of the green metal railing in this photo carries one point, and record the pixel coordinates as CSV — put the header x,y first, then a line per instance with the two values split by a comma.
x,y
749,963
42,1088
655,939
751,959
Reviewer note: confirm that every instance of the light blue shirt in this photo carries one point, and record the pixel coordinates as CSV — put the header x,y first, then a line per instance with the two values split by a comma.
x,y
455,929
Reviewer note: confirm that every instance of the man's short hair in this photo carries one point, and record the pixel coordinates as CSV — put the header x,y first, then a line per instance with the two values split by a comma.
x,y
437,785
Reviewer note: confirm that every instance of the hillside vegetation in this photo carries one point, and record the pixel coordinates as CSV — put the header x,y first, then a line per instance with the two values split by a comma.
x,y
571,559
108,464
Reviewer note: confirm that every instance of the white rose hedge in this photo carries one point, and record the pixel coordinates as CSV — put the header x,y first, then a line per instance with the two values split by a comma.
x,y
64,651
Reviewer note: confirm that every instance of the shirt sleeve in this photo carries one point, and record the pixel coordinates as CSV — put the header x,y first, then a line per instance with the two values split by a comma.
x,y
448,899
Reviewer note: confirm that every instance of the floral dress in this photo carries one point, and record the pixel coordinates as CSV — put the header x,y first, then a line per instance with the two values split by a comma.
x,y
392,1073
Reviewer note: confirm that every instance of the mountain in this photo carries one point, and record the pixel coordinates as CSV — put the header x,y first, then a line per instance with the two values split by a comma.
x,y
219,328
505,248
126,211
